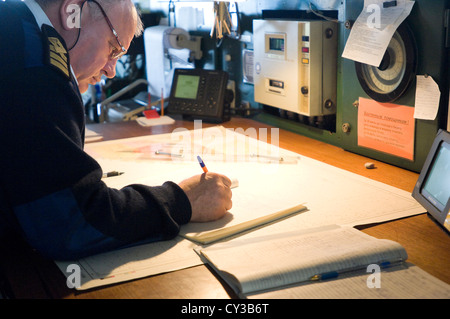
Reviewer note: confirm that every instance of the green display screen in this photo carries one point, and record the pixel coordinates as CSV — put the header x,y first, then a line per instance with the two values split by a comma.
x,y
276,44
187,87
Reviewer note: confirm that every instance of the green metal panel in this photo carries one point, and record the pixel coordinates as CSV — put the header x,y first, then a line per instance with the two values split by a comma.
x,y
427,23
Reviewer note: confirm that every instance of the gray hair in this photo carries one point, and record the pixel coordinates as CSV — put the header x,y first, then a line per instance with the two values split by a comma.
x,y
106,4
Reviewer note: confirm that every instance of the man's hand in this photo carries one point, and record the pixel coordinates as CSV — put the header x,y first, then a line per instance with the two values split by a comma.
x,y
209,194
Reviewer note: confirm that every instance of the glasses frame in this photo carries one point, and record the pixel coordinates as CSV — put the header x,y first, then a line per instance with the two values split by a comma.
x,y
124,51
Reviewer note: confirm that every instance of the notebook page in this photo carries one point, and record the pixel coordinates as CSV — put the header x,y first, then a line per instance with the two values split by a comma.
x,y
265,262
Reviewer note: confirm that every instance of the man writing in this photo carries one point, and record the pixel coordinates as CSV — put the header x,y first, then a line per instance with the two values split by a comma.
x,y
50,189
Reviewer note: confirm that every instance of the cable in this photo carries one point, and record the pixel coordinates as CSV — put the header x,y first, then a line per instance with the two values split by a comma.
x,y
79,29
319,14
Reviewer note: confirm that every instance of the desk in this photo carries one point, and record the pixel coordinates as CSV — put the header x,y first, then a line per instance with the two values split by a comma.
x,y
428,246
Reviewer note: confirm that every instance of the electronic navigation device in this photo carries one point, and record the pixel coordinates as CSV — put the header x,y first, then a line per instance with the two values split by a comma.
x,y
201,94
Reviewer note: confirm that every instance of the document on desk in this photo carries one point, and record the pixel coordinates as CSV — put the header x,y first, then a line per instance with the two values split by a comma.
x,y
132,263
277,179
310,258
271,180
403,281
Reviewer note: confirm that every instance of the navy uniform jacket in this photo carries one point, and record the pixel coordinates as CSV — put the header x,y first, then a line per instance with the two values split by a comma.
x,y
51,190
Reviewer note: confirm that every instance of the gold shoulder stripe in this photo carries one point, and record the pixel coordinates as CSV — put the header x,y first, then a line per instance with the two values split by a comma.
x,y
58,56
59,65
56,45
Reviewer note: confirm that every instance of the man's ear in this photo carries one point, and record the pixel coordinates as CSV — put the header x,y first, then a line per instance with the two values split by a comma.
x,y
70,14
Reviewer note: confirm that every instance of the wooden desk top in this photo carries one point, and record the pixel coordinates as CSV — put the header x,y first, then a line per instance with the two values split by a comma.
x,y
428,246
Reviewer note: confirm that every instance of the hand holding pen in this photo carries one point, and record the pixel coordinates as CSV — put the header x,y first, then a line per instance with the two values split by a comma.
x,y
209,195
234,182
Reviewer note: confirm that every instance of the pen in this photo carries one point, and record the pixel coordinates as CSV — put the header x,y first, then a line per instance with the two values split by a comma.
x,y
111,174
202,165
335,274
329,275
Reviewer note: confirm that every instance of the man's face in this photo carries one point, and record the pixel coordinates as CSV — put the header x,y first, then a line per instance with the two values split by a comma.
x,y
91,56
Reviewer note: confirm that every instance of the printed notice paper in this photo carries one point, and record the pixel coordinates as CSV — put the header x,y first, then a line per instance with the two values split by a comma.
x,y
386,127
373,30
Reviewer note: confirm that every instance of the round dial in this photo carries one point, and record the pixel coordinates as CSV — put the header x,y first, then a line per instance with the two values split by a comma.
x,y
391,78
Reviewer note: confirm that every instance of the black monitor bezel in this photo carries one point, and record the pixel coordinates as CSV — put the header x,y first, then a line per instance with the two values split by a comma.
x,y
439,215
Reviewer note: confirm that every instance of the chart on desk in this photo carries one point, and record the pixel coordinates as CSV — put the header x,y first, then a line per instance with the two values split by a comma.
x,y
270,179
266,185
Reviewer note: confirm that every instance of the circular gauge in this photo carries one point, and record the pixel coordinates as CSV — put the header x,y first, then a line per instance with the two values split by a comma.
x,y
397,69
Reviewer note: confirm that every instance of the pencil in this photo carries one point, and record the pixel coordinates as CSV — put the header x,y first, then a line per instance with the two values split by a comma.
x,y
202,165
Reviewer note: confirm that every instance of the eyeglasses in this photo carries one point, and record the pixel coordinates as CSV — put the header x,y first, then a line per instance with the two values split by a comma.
x,y
116,54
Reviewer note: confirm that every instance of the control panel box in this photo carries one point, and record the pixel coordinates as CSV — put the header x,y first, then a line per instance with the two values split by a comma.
x,y
295,65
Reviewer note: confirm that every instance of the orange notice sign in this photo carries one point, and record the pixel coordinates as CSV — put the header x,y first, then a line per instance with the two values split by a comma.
x,y
386,127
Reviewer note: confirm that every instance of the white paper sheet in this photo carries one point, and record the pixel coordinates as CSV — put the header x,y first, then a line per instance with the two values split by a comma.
x,y
131,263
428,97
373,30
332,195
395,283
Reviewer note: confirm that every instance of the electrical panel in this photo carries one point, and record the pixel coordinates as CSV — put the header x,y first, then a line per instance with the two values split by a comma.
x,y
295,65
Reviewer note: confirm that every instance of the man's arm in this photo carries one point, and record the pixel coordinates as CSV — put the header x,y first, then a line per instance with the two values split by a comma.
x,y
55,188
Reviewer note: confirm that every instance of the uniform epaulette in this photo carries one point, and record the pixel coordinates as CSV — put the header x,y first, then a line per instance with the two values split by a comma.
x,y
55,51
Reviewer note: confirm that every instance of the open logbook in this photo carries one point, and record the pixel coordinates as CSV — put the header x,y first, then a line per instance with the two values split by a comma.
x,y
271,265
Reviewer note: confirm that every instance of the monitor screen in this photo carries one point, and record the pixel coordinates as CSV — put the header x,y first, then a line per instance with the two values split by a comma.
x,y
436,187
432,189
187,87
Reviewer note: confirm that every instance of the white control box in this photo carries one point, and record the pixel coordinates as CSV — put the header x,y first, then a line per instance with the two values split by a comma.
x,y
295,65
